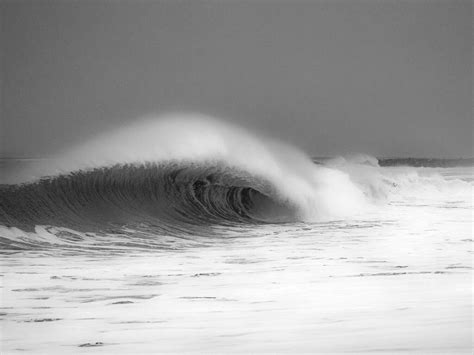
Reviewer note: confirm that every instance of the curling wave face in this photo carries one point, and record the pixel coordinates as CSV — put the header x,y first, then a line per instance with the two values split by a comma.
x,y
169,195
178,174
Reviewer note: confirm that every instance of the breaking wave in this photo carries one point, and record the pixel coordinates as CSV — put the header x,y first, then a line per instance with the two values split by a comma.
x,y
170,193
179,176
176,175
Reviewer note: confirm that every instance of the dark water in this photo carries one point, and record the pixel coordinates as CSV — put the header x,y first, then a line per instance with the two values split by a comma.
x,y
427,163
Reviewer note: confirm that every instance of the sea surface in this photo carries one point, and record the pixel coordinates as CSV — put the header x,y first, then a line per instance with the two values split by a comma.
x,y
332,256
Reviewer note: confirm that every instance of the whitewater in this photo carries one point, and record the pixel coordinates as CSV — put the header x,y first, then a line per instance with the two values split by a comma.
x,y
184,233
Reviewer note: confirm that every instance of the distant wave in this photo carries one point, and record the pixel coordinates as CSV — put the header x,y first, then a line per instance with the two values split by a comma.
x,y
427,162
413,162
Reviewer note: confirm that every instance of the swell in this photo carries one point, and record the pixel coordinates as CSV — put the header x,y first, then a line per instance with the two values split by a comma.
x,y
164,180
173,198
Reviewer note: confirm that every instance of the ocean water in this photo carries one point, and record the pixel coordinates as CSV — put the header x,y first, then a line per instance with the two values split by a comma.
x,y
183,244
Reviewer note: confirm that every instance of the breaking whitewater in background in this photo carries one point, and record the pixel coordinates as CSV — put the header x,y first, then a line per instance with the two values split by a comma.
x,y
185,234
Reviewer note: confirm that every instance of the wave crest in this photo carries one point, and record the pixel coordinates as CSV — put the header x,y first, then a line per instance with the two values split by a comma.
x,y
177,173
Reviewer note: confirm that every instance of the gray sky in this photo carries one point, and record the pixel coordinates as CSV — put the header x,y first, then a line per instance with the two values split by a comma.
x,y
390,78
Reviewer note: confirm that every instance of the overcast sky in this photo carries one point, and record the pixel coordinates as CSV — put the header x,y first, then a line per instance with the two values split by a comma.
x,y
388,78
